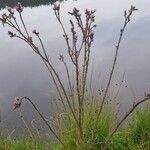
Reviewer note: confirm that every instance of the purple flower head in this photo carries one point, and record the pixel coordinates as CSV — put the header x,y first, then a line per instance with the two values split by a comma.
x,y
19,7
35,32
87,12
56,7
133,8
11,34
76,12
17,103
90,14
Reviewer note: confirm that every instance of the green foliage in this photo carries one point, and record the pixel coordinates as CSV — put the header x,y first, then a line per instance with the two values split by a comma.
x,y
140,127
94,136
120,141
134,136
24,144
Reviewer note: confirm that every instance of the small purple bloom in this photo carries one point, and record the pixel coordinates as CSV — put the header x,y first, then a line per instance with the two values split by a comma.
x,y
56,7
19,7
11,34
17,103
35,32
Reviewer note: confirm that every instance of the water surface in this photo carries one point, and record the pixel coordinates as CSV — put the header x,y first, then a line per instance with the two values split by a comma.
x,y
23,74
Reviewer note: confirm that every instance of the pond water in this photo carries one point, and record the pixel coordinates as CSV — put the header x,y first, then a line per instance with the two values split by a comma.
x,y
23,74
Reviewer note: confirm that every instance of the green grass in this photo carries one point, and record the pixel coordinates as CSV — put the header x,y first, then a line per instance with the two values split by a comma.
x,y
23,144
135,135
140,128
94,135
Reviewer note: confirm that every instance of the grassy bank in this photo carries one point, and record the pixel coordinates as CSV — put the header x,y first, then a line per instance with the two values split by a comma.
x,y
135,135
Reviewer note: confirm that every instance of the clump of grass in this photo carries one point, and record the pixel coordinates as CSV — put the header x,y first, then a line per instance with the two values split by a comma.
x,y
25,143
134,136
120,141
140,128
94,135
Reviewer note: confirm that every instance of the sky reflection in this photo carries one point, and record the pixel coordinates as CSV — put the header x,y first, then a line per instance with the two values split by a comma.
x,y
23,74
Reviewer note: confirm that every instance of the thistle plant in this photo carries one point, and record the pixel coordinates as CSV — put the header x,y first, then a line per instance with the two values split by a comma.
x,y
79,53
79,43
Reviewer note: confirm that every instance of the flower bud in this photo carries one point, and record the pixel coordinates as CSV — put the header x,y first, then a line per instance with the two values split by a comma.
x,y
35,32
17,103
19,7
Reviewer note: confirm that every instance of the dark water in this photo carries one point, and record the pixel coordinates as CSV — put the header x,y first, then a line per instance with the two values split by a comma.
x,y
23,74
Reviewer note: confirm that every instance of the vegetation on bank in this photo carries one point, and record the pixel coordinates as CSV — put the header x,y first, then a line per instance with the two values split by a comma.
x,y
135,135
26,3
85,123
